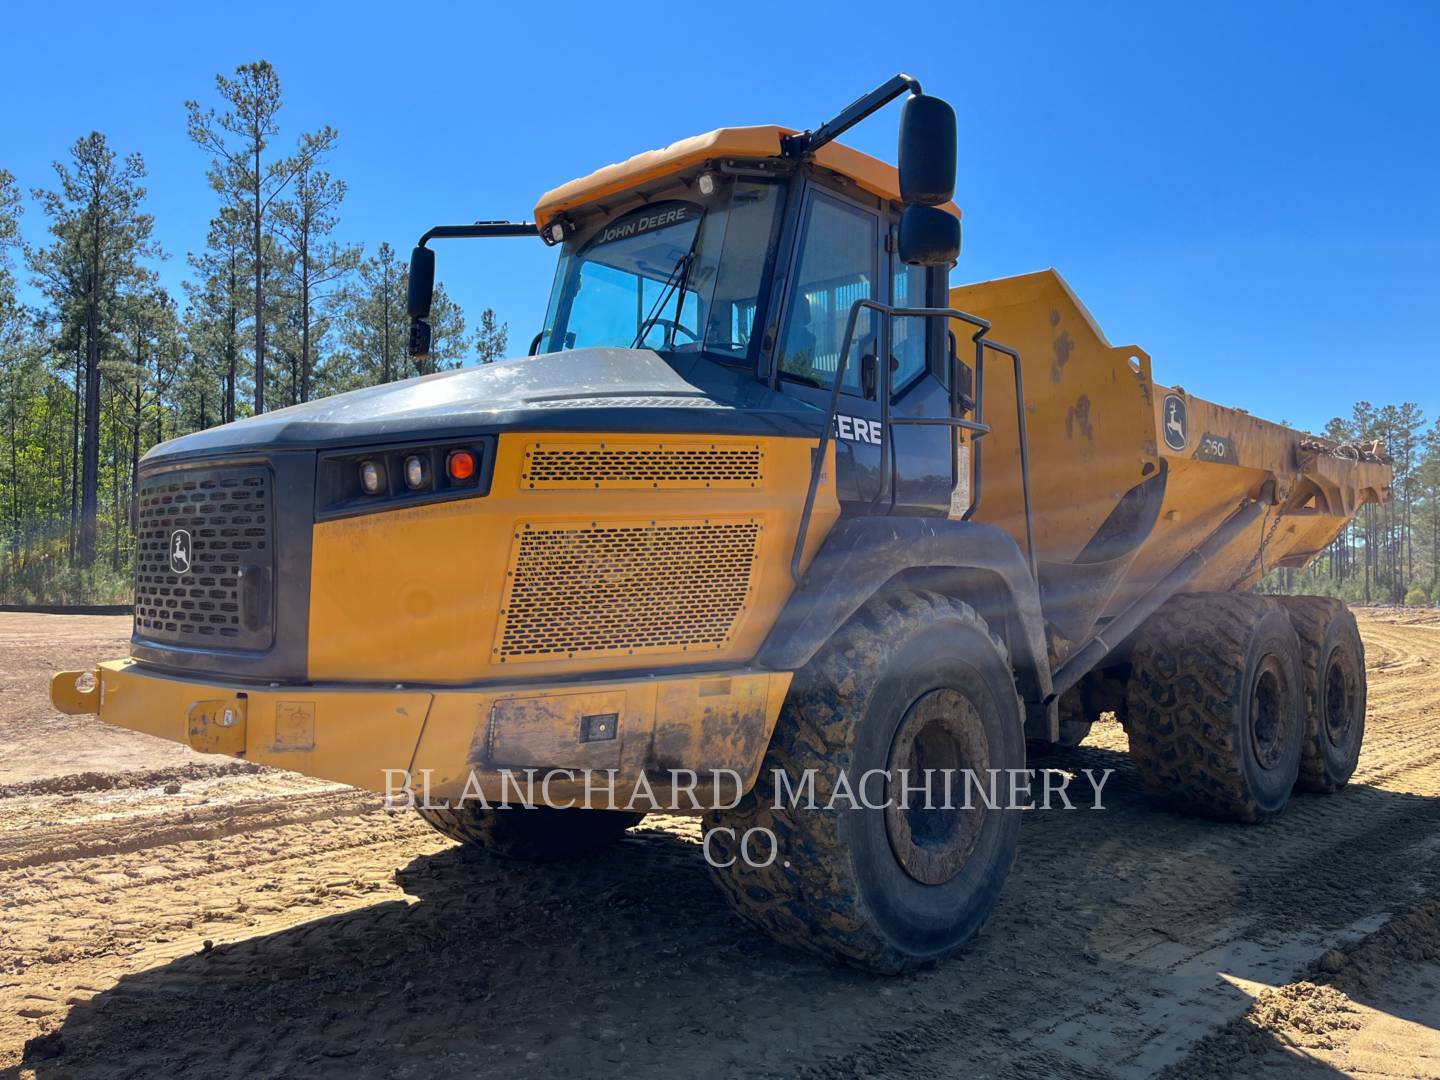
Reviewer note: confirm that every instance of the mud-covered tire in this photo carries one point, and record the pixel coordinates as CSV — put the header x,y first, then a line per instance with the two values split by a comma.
x,y
539,834
1333,670
1215,705
914,680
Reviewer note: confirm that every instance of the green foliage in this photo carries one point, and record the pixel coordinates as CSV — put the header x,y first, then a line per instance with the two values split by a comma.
x,y
1416,596
275,311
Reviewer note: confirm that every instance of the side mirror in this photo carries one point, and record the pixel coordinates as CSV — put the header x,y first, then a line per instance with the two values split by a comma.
x,y
419,338
929,237
927,151
422,283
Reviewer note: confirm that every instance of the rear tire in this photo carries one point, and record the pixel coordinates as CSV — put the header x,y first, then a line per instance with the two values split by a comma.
x,y
540,834
913,681
1333,671
1215,705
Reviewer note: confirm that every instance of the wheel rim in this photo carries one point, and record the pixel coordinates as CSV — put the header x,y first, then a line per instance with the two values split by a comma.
x,y
931,832
1269,722
1339,702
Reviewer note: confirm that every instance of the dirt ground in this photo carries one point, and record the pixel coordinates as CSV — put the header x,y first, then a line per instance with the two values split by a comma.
x,y
161,913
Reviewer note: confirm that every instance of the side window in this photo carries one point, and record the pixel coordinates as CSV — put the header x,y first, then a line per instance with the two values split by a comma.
x,y
907,289
836,267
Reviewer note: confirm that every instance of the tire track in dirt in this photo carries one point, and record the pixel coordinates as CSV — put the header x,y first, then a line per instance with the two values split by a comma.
x,y
140,832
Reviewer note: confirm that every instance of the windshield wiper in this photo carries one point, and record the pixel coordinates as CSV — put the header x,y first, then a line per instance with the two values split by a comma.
x,y
677,277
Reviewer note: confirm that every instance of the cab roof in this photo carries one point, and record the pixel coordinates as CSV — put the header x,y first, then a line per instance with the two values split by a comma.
x,y
763,141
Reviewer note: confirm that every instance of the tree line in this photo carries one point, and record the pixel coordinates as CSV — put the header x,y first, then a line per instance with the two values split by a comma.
x,y
1387,554
274,311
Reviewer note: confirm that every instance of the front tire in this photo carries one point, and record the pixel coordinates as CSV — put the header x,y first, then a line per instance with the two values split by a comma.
x,y
913,681
1215,705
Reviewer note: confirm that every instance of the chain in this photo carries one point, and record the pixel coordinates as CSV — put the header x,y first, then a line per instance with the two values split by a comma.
x,y
1260,554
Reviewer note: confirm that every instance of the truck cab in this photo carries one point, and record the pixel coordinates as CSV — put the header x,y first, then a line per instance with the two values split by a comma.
x,y
722,250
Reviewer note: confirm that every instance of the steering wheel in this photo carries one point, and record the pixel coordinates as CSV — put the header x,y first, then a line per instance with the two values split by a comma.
x,y
675,328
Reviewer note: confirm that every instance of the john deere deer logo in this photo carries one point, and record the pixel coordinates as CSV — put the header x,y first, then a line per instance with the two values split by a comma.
x,y
1176,426
180,551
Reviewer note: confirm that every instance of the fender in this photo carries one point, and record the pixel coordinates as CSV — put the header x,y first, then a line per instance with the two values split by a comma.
x,y
980,564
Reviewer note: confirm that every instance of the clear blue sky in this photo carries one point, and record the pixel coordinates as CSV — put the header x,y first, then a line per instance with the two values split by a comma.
x,y
1249,191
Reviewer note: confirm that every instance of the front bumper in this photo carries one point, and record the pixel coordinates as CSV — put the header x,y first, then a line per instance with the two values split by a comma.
x,y
454,742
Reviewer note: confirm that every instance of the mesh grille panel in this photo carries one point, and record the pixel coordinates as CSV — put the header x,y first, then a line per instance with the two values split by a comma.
x,y
672,466
226,516
600,589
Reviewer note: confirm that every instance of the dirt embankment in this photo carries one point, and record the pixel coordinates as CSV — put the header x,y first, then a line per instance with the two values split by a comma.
x,y
167,912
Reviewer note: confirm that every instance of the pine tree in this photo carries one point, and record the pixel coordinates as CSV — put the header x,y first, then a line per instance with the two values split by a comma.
x,y
240,172
492,338
305,221
10,210
215,303
376,324
101,235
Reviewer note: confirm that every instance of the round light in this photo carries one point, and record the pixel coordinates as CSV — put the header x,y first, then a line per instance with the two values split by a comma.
x,y
417,472
707,184
460,465
372,477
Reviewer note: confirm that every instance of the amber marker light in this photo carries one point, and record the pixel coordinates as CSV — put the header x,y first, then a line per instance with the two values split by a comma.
x,y
460,465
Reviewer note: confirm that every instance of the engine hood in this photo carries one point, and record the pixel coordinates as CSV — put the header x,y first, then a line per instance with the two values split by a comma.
x,y
620,390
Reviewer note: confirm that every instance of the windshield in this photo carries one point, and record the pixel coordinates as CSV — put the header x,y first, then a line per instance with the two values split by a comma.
x,y
672,274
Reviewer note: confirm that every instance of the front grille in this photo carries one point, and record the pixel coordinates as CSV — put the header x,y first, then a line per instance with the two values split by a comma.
x,y
214,590
669,465
588,589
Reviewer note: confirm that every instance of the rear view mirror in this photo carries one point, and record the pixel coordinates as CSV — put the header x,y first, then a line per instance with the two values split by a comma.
x,y
422,282
927,151
929,236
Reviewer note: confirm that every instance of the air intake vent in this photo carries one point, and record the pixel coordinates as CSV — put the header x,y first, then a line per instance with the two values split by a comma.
x,y
669,465
619,589
202,571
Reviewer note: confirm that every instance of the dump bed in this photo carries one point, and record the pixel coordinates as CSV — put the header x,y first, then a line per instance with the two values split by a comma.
x,y
1128,476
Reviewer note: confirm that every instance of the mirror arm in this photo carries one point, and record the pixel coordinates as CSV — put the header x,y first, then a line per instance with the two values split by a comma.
x,y
419,344
807,142
480,228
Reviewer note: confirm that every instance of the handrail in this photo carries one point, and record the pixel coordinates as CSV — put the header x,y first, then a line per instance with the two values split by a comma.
x,y
887,422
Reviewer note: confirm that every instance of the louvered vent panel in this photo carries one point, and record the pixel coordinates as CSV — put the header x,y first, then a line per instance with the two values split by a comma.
x,y
618,589
227,515
661,465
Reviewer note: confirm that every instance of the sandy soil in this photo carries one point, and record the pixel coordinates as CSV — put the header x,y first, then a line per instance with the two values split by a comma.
x,y
163,912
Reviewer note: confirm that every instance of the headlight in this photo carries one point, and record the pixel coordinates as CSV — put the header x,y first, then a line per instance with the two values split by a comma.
x,y
417,472
372,477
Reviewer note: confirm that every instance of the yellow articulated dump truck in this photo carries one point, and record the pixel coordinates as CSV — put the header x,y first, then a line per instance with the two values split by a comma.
x,y
770,515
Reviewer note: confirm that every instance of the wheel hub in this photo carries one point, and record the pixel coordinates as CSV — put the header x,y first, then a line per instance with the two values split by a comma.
x,y
1269,721
1339,702
931,832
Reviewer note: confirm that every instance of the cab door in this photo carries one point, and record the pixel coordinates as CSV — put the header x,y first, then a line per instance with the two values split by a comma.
x,y
841,255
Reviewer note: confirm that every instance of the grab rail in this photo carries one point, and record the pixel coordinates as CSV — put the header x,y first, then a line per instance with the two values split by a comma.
x,y
955,422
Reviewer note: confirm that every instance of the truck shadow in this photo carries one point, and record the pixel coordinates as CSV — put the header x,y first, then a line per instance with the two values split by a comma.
x,y
1112,927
